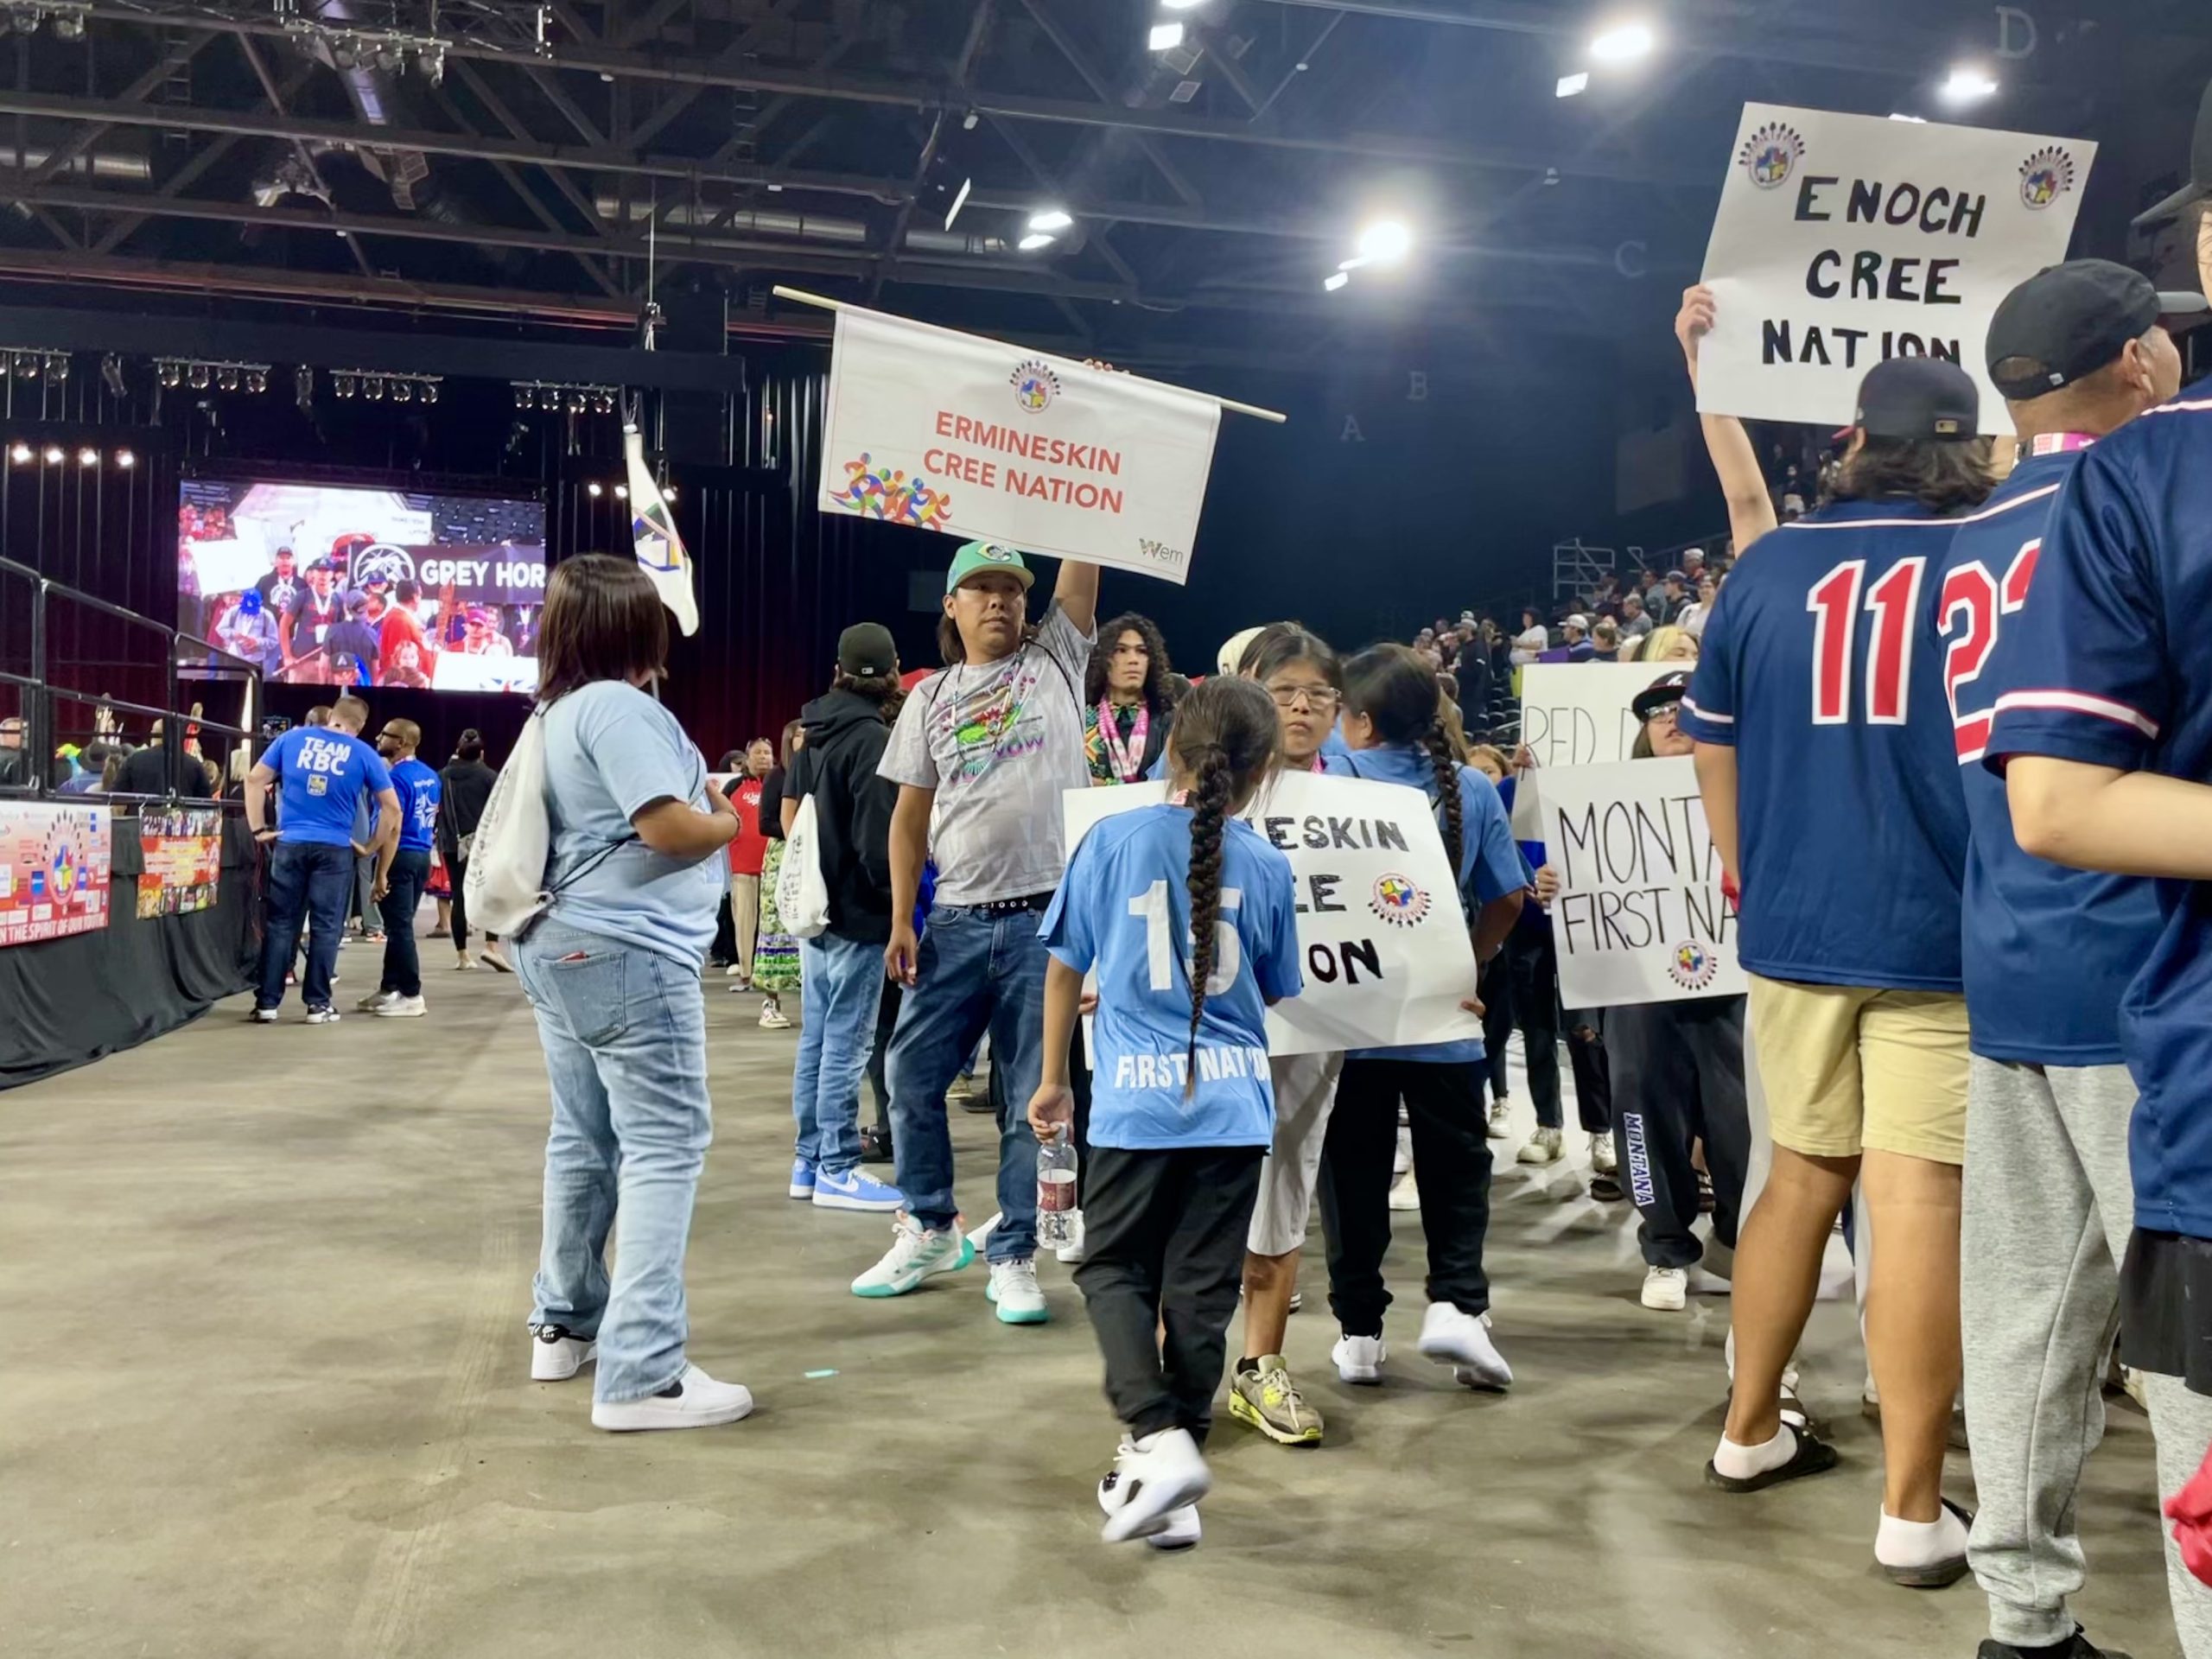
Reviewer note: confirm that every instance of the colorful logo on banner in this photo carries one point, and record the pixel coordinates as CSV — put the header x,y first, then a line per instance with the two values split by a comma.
x,y
893,496
1691,966
1396,900
1034,385
1771,155
2045,176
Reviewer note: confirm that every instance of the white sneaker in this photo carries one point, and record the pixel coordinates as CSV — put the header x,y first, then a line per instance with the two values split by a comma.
x,y
555,1356
264,1016
1181,1531
374,1001
1405,1195
1453,1337
1013,1289
1501,1119
1402,1160
696,1400
465,965
733,971
1543,1147
324,1015
1601,1156
1070,1254
396,1007
1152,1478
773,1017
491,956
1667,1289
1359,1359
916,1254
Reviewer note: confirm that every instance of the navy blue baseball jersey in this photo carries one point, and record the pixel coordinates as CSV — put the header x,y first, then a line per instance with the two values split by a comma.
x,y
1851,829
2049,951
2122,676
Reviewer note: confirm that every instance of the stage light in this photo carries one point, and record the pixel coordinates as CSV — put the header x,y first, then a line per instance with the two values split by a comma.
x,y
112,374
68,25
226,379
595,491
575,401
26,366
372,389
88,456
1624,43
430,390
1968,84
621,492
602,403
1035,240
402,391
57,366
1335,280
257,379
172,374
1570,86
1385,242
54,456
20,453
125,459
525,398
1165,37
343,384
668,492
197,377
1051,219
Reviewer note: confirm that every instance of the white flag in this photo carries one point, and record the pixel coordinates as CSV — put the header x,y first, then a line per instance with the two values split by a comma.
x,y
660,550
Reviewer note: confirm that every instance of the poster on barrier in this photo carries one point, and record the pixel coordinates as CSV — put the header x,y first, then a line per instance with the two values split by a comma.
x,y
1382,941
55,862
183,859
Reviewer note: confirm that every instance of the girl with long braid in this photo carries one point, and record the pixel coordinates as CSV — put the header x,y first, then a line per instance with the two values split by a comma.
x,y
1393,735
1186,914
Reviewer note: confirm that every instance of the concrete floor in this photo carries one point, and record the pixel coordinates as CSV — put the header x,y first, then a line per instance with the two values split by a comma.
x,y
265,1394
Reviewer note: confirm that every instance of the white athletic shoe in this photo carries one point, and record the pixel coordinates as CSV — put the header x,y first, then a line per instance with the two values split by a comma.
x,y
693,1401
773,1017
1152,1478
1405,1195
1013,1289
264,1016
1601,1156
1501,1119
1070,1254
1359,1359
555,1356
374,1001
324,1015
1543,1147
916,1254
1181,1531
1453,1337
1667,1289
396,1007
465,965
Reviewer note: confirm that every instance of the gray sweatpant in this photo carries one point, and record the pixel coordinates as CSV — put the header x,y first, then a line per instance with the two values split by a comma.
x,y
2048,1209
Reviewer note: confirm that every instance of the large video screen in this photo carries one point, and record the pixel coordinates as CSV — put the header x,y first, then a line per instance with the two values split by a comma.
x,y
323,585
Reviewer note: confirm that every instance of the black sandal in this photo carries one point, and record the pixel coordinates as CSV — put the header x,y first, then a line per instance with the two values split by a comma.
x,y
1936,1575
1811,1457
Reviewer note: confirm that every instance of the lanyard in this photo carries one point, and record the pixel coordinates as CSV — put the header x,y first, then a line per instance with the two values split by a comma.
x,y
1126,758
2059,443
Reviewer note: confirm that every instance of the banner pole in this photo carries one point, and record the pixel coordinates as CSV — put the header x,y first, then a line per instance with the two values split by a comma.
x,y
827,304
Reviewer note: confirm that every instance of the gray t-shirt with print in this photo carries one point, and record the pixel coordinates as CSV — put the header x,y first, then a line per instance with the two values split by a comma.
x,y
999,742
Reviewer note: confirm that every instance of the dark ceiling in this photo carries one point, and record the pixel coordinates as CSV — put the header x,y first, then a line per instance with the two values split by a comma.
x,y
548,162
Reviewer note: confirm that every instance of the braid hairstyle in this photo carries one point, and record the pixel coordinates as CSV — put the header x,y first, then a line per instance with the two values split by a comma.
x,y
1227,740
1394,687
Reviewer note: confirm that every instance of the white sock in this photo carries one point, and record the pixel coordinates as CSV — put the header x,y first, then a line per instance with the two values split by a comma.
x,y
1742,1462
1920,1544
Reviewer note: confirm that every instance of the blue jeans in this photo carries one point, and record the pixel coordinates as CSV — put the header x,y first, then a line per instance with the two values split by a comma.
x,y
307,881
842,981
625,1035
977,971
402,966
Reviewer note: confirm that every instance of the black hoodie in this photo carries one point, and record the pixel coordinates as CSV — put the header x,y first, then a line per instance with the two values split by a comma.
x,y
845,740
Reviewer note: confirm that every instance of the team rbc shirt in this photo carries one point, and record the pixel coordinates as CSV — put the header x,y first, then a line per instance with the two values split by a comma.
x,y
1817,669
2116,670
323,775
2049,951
419,790
1124,907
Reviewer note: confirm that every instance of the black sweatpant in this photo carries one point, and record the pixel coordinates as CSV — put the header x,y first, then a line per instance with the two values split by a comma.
x,y
1678,1077
1532,962
1164,1247
1494,990
1444,1103
1593,1072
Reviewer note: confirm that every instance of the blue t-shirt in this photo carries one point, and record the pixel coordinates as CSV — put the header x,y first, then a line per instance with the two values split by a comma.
x,y
1816,667
419,791
1124,907
611,751
1491,865
325,779
2116,671
2049,950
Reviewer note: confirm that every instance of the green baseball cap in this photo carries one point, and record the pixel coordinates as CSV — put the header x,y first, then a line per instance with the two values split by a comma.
x,y
978,557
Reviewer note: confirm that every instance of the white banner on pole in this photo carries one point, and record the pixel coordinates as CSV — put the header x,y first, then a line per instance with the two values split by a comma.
x,y
1845,239
1640,916
1382,941
952,432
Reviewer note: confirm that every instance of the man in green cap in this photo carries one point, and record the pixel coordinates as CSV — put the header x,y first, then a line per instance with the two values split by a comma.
x,y
982,753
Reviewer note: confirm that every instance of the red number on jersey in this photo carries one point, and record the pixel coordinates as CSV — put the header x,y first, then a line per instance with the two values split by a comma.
x,y
1973,602
1834,603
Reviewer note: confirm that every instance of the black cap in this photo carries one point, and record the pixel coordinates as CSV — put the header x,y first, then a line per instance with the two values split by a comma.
x,y
866,650
2199,183
1667,688
2069,320
1919,397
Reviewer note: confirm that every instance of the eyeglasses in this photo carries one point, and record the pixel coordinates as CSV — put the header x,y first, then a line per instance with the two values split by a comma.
x,y
1318,697
1665,711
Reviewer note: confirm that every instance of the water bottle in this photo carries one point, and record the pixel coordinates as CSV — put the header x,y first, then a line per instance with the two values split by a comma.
x,y
1056,1190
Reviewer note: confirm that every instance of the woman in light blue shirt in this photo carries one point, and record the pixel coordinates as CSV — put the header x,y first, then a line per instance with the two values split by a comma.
x,y
635,872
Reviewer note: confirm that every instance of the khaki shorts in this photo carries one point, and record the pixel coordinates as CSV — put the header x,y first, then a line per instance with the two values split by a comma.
x,y
1306,1091
1851,1068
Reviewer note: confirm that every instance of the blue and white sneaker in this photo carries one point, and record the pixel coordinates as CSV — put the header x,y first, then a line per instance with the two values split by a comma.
x,y
802,1180
916,1254
852,1191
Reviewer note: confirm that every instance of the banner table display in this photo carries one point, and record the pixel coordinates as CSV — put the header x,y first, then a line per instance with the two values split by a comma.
x,y
183,855
1382,943
1845,239
1640,916
53,869
940,430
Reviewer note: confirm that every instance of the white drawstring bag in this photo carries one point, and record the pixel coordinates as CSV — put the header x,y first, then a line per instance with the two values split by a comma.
x,y
802,896
506,886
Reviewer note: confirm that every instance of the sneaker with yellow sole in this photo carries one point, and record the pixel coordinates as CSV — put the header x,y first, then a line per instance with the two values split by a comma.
x,y
1266,1398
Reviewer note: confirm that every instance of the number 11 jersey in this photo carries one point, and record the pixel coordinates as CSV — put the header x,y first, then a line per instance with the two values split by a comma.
x,y
1819,669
